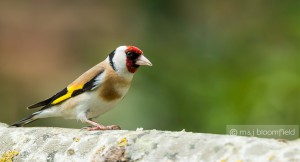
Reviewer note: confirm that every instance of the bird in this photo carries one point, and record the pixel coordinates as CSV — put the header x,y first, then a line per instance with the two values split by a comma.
x,y
95,92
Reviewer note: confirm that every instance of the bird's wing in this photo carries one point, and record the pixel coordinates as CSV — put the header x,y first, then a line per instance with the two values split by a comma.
x,y
86,82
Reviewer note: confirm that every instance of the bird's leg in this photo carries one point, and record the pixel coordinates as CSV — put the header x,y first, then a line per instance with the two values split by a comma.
x,y
101,127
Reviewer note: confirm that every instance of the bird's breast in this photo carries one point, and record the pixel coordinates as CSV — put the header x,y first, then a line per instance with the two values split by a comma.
x,y
114,88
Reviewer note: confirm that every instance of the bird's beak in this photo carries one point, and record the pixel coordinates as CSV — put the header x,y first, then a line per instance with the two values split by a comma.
x,y
142,60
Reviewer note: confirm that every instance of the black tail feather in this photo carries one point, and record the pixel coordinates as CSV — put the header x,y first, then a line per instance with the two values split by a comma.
x,y
40,104
26,120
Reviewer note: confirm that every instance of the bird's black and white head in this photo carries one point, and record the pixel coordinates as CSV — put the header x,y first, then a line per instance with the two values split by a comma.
x,y
127,59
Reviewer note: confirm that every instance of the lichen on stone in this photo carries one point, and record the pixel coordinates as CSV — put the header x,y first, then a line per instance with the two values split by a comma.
x,y
123,142
75,139
8,156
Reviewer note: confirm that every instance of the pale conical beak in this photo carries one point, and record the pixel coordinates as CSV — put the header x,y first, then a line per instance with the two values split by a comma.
x,y
142,60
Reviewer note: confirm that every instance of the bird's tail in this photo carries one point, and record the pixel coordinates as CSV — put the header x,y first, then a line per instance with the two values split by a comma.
x,y
26,120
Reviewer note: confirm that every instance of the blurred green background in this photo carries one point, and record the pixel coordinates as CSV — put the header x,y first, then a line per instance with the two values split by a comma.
x,y
215,62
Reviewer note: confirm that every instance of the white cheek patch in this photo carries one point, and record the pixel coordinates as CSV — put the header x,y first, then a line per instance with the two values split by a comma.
x,y
120,58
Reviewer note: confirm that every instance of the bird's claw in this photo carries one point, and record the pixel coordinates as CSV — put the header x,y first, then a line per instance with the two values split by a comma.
x,y
102,127
114,127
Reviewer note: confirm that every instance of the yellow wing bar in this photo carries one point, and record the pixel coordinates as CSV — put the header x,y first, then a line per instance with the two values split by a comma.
x,y
70,90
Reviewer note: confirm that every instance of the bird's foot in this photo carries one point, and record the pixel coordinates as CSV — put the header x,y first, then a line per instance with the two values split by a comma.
x,y
102,127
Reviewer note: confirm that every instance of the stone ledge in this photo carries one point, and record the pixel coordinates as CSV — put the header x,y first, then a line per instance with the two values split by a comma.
x,y
61,144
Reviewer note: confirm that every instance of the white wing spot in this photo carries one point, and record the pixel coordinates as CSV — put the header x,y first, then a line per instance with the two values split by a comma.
x,y
98,80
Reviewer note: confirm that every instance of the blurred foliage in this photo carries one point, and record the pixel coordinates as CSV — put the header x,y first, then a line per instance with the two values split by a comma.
x,y
215,62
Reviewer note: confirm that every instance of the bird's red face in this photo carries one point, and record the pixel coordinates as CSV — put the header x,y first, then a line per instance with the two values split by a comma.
x,y
135,58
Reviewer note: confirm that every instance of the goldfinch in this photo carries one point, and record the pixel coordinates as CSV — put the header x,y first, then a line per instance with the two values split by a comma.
x,y
94,92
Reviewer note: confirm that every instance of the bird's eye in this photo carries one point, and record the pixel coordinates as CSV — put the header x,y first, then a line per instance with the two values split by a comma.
x,y
129,54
